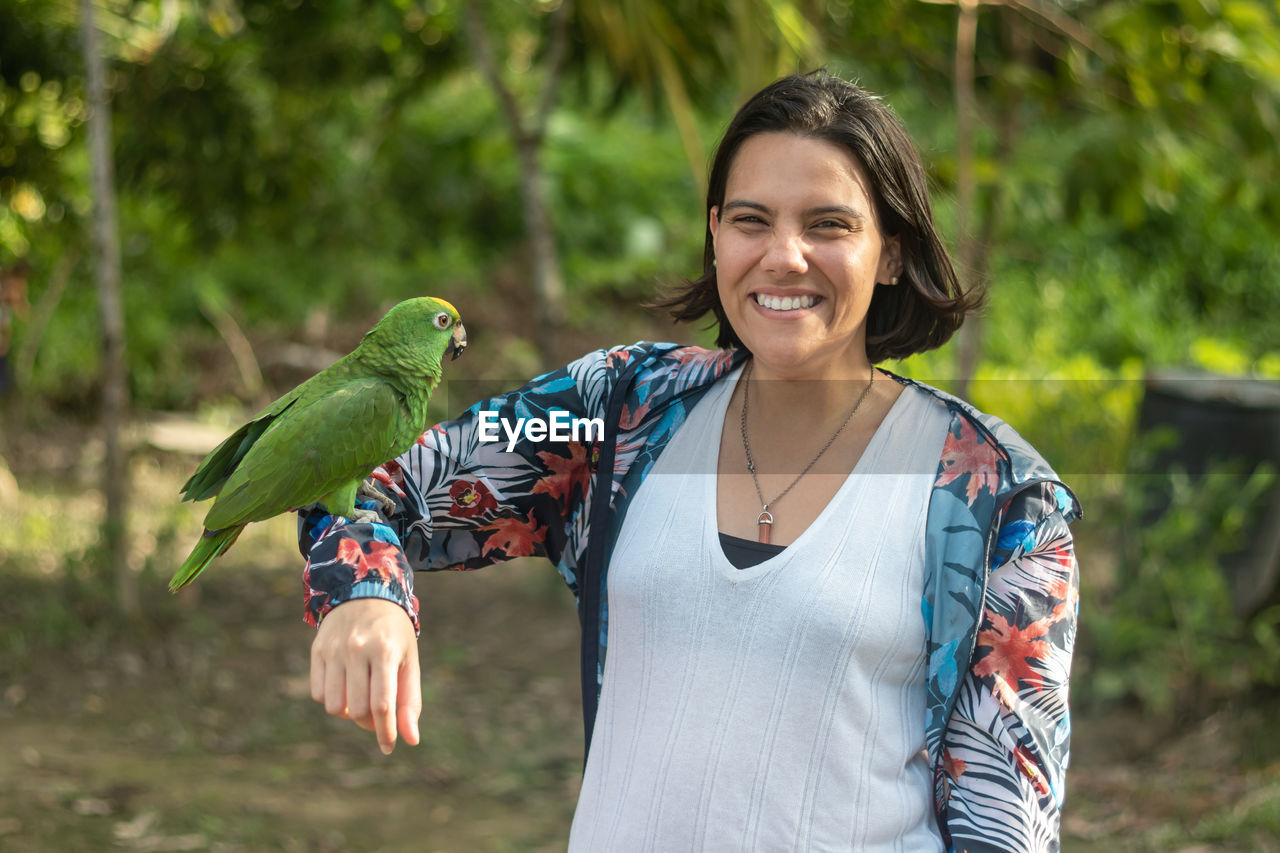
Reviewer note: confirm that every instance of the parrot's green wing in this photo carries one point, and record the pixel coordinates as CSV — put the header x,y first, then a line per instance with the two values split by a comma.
x,y
216,468
322,441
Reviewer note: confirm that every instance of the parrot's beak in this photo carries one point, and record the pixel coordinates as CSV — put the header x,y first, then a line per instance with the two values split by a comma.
x,y
458,340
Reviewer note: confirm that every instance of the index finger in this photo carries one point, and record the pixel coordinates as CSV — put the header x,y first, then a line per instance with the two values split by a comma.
x,y
409,698
382,703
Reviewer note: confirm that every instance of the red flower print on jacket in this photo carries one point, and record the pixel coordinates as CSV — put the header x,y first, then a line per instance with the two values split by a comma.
x,y
567,473
1010,652
952,766
1065,595
391,475
1027,763
380,560
684,355
470,499
617,359
969,454
629,420
316,603
422,439
515,537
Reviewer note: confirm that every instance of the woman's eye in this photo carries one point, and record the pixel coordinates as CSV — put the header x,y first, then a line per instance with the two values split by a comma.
x,y
829,224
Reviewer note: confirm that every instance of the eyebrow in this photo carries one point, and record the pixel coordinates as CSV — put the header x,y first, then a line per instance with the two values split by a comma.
x,y
822,210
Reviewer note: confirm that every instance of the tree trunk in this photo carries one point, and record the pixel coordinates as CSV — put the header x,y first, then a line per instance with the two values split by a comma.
x,y
106,258
968,346
548,282
527,135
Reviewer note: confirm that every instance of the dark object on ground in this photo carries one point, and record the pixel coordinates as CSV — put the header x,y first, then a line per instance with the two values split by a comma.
x,y
1221,421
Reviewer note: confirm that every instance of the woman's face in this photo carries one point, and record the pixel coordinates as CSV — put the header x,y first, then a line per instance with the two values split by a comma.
x,y
798,253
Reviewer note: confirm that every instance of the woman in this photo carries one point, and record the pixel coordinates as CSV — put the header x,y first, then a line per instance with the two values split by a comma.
x,y
803,653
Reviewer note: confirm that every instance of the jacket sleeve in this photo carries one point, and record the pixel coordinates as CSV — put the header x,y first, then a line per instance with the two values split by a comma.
x,y
1007,742
472,491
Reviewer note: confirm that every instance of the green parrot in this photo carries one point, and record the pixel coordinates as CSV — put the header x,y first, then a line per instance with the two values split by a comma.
x,y
317,443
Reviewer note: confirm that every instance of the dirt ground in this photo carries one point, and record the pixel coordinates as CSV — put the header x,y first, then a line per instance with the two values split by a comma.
x,y
204,736
192,728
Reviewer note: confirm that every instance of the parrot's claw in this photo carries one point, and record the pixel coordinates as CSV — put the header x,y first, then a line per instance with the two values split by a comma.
x,y
368,490
367,516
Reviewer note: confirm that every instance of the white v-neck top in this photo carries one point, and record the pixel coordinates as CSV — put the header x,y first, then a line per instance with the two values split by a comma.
x,y
779,707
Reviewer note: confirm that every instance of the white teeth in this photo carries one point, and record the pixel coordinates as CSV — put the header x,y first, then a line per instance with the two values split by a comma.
x,y
785,303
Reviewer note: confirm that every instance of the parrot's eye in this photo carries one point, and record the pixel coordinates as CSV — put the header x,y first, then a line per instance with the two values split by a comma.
x,y
442,321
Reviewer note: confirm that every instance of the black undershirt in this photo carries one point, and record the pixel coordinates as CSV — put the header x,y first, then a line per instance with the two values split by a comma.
x,y
745,553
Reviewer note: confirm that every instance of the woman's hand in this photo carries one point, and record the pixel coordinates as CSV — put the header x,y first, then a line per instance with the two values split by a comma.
x,y
364,668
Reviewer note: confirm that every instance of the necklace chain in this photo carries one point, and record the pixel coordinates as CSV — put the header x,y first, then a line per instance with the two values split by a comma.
x,y
751,465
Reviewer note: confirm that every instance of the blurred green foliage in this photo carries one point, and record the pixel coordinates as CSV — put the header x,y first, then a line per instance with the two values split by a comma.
x,y
1170,639
296,162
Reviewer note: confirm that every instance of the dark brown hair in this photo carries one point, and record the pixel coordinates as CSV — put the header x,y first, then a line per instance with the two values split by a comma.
x,y
927,305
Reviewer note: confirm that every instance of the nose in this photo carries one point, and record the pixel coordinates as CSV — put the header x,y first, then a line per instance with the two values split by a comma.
x,y
786,254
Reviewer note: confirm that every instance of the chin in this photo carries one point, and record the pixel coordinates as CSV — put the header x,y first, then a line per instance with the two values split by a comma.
x,y
786,360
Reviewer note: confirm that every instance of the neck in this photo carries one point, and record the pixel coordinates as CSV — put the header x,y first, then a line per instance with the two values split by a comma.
x,y
810,401
848,362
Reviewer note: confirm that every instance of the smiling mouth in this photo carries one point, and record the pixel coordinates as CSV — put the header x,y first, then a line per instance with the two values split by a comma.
x,y
786,303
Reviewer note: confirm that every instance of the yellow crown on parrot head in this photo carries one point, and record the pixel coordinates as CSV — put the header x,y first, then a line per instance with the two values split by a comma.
x,y
447,305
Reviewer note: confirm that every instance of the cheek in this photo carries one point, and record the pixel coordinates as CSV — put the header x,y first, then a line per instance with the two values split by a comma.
x,y
853,272
731,302
730,267
737,254
726,297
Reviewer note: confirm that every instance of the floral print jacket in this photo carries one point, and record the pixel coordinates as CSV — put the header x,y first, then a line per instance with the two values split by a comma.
x,y
999,604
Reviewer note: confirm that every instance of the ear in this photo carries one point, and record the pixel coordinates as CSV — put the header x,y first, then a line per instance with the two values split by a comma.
x,y
890,261
713,221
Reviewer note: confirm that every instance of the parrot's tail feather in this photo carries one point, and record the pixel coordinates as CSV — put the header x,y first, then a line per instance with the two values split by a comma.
x,y
211,544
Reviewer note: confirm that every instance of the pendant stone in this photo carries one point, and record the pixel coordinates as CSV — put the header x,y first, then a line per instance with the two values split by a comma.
x,y
764,524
